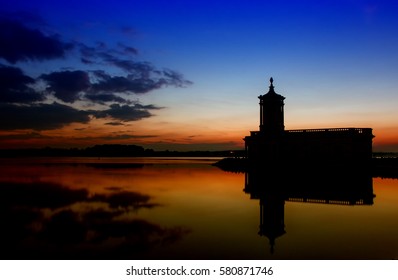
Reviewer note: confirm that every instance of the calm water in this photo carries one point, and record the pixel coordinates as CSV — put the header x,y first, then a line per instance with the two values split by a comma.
x,y
184,208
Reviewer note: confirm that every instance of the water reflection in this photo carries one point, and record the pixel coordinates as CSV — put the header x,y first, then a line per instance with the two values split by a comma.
x,y
325,186
187,209
42,220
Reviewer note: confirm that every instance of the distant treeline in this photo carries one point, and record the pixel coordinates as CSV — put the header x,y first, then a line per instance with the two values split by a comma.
x,y
117,150
113,150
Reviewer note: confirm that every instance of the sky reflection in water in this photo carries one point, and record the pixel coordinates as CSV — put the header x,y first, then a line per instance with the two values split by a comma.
x,y
174,209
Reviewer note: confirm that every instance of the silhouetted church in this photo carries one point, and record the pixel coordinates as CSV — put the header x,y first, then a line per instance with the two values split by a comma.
x,y
274,146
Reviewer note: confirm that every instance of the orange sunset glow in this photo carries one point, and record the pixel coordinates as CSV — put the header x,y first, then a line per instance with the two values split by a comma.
x,y
70,77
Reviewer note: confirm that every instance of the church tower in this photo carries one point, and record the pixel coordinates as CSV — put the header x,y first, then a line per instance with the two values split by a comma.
x,y
271,112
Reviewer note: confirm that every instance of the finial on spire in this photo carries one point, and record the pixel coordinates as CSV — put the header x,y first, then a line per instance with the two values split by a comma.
x,y
271,86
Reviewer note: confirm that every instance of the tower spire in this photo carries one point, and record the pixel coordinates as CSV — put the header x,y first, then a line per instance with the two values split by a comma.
x,y
271,86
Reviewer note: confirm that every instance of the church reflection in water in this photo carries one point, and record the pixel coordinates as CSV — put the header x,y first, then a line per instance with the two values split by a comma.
x,y
337,187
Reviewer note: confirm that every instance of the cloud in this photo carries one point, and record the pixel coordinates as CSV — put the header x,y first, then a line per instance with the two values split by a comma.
x,y
124,84
88,54
147,107
142,78
128,50
39,116
126,112
55,115
21,43
135,69
14,86
100,87
102,98
114,123
24,136
67,85
174,78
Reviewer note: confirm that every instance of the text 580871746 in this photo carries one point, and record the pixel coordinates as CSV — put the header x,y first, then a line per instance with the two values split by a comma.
x,y
246,270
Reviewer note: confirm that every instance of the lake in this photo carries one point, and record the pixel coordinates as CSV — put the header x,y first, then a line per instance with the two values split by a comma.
x,y
185,208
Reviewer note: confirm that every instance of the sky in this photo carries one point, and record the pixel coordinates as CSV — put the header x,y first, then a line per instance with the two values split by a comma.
x,y
185,75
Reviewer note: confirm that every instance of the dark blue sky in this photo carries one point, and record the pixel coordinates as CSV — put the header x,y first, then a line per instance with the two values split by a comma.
x,y
186,74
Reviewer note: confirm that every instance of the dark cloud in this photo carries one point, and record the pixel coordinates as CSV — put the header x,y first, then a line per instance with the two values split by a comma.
x,y
143,78
70,86
86,61
55,115
102,98
88,53
13,78
128,50
107,83
135,69
102,52
21,43
114,123
24,136
173,78
67,85
147,107
125,112
39,116
14,86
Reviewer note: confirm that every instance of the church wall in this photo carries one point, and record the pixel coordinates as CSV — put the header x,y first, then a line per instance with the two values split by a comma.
x,y
340,146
